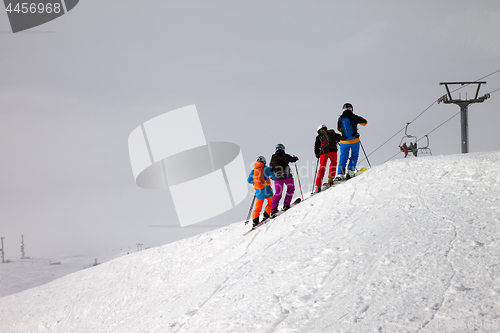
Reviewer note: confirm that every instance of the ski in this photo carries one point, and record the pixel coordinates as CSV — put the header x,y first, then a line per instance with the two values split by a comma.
x,y
298,200
338,181
356,173
257,226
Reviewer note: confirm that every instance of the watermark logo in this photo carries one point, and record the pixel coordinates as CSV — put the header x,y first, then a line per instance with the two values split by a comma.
x,y
28,14
205,179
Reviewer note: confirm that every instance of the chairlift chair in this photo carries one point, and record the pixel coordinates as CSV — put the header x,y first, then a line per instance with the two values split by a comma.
x,y
426,149
402,144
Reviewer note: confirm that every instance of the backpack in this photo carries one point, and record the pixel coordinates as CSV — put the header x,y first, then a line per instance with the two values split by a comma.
x,y
327,140
347,128
259,181
279,165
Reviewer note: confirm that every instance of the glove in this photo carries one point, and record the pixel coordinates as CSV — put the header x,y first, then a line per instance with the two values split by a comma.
x,y
296,158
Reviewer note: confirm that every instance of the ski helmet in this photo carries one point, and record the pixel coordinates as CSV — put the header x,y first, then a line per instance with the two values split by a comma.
x,y
347,106
320,127
261,159
280,146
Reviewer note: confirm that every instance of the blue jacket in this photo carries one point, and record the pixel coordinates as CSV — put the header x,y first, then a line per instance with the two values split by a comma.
x,y
352,135
267,191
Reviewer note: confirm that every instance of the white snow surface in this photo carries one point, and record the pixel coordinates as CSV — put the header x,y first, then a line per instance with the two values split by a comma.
x,y
20,274
412,245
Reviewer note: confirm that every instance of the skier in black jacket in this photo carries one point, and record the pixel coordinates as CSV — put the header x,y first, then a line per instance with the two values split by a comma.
x,y
279,165
325,148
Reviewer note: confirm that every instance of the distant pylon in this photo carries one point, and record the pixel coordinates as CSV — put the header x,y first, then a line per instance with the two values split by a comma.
x,y
3,253
22,248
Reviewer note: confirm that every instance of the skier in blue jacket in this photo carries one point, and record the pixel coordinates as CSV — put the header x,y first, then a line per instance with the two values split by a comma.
x,y
260,177
349,141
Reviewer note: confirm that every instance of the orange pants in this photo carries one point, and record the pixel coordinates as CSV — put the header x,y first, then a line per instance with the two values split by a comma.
x,y
258,207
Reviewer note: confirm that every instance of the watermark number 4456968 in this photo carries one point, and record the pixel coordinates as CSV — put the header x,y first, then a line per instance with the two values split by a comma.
x,y
32,7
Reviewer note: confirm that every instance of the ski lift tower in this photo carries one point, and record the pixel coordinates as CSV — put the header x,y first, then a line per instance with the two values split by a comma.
x,y
464,106
22,248
3,253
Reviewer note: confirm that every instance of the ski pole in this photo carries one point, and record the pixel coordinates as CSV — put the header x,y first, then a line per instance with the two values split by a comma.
x,y
300,186
315,173
365,153
250,211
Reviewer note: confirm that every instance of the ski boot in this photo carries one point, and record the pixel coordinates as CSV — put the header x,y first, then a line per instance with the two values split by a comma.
x,y
255,222
330,181
266,216
341,175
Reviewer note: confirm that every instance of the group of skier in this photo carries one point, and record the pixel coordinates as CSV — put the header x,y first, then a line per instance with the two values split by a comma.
x,y
325,149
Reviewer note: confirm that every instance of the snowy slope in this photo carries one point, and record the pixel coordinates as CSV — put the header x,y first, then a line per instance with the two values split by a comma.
x,y
411,245
21,274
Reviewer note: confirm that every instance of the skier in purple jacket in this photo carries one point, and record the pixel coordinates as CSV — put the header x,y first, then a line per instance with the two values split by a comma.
x,y
279,166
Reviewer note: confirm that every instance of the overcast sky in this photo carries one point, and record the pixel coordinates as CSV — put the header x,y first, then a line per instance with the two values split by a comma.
x,y
259,72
